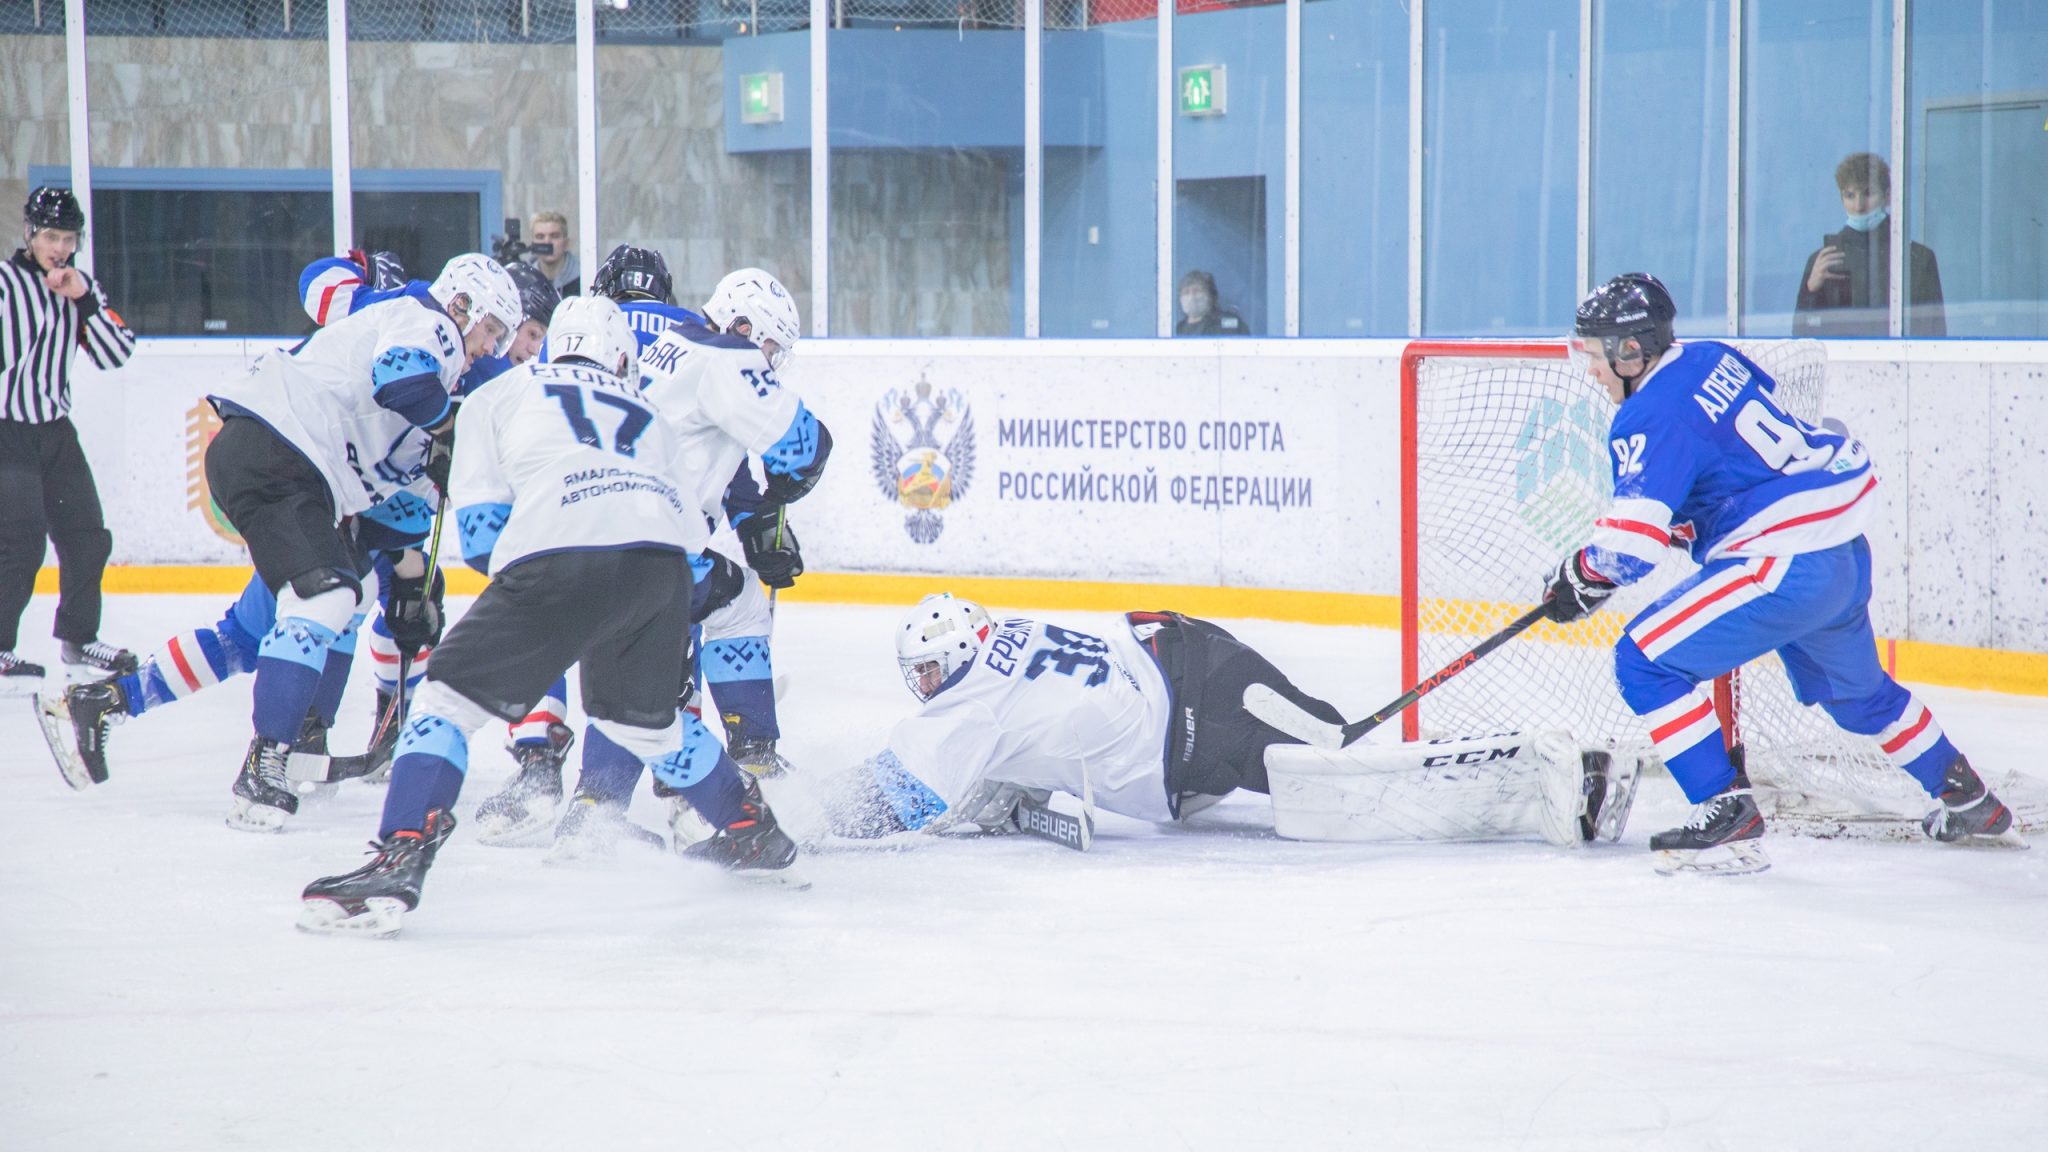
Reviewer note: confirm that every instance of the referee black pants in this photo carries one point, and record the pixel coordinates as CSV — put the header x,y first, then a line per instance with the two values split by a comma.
x,y
46,492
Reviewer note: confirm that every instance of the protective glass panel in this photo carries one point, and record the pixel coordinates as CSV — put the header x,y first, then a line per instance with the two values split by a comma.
x,y
1660,152
1354,168
36,92
1229,176
210,161
463,122
1500,169
704,141
1977,138
927,158
1807,268
1100,253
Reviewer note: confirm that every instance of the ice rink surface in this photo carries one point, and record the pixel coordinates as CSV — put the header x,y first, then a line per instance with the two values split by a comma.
x,y
1209,987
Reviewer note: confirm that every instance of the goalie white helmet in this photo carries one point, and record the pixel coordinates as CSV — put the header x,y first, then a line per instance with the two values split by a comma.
x,y
758,298
593,328
489,291
938,638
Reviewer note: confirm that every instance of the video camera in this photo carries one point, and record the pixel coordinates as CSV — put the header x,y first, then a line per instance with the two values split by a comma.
x,y
507,248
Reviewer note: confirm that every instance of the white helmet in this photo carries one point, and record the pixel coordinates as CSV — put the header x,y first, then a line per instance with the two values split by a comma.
x,y
938,638
758,298
593,328
489,290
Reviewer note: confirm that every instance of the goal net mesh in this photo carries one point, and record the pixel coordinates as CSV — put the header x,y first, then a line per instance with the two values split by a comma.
x,y
1510,469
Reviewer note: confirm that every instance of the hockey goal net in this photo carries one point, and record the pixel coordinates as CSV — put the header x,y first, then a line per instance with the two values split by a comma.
x,y
1505,467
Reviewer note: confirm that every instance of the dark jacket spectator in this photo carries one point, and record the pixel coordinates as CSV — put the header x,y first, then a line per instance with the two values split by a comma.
x,y
1846,287
1201,315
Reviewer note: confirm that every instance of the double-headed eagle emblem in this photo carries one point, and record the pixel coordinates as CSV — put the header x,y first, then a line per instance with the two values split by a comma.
x,y
922,449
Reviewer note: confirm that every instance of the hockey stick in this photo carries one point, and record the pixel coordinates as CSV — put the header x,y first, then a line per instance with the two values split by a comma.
x,y
355,767
1040,820
1274,709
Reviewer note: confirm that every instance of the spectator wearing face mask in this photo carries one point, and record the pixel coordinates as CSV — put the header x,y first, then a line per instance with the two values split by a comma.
x,y
1846,288
1201,314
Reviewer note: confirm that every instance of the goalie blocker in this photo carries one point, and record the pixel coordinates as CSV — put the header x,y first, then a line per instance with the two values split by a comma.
x,y
1502,787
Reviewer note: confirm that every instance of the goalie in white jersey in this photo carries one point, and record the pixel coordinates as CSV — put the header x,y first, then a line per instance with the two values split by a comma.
x,y
1164,715
565,493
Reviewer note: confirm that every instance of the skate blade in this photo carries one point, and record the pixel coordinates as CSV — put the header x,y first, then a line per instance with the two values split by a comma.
x,y
247,816
530,832
790,878
380,918
2009,839
24,686
54,714
1740,858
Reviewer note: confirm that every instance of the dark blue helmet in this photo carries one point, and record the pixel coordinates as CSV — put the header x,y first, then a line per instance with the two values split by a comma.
x,y
631,273
1631,307
53,208
537,295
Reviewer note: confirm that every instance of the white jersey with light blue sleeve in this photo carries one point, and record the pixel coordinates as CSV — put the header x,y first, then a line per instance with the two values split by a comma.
x,y
565,458
354,396
1039,705
725,404
1703,451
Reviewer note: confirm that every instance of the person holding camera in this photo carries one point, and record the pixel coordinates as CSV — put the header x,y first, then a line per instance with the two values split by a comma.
x,y
549,251
1846,288
48,309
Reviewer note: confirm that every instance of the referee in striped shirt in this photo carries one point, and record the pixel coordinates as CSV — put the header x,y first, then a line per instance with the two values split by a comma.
x,y
48,309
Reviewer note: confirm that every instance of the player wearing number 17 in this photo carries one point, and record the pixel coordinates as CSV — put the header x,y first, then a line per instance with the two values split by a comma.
x,y
565,491
1775,511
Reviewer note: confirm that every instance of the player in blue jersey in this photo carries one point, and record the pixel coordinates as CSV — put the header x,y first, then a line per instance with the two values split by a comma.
x,y
1775,511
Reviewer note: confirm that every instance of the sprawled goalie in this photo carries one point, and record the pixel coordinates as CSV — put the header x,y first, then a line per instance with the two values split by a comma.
x,y
1164,715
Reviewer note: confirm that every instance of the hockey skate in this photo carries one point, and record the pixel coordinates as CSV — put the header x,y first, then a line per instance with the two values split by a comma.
x,y
756,754
1610,787
1723,838
95,661
1970,812
592,829
307,765
75,723
18,677
373,899
753,847
526,807
263,792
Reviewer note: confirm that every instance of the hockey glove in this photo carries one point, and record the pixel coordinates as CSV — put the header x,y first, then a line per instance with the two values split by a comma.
x,y
1575,592
412,611
441,456
771,547
719,582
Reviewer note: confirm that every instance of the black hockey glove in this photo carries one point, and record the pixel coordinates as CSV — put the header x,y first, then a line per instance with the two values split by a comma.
x,y
717,585
1574,592
441,456
412,611
771,547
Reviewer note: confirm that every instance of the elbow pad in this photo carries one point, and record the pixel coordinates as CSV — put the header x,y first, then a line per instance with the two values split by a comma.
x,y
796,462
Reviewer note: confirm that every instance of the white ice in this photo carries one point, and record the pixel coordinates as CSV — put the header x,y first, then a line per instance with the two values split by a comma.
x,y
1174,988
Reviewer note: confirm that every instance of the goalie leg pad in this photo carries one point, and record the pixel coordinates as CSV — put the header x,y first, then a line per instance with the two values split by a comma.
x,y
1512,786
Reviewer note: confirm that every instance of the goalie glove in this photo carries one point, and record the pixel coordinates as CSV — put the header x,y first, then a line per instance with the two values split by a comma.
x,y
1575,591
771,547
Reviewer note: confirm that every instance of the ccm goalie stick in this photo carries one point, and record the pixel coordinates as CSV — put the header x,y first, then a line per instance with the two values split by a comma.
x,y
1274,709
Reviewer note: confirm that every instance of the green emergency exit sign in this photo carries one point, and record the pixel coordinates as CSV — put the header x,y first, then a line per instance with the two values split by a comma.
x,y
1202,90
761,98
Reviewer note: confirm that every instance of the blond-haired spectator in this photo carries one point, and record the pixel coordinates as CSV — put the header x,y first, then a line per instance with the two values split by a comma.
x,y
550,231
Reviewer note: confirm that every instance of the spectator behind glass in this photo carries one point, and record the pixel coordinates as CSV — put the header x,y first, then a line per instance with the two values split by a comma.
x,y
559,265
1201,315
1846,288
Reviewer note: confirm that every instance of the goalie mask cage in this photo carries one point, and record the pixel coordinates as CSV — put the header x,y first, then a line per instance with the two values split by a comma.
x,y
1504,469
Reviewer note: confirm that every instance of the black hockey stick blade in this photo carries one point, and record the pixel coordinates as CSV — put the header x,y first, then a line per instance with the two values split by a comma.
x,y
1035,819
1356,730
